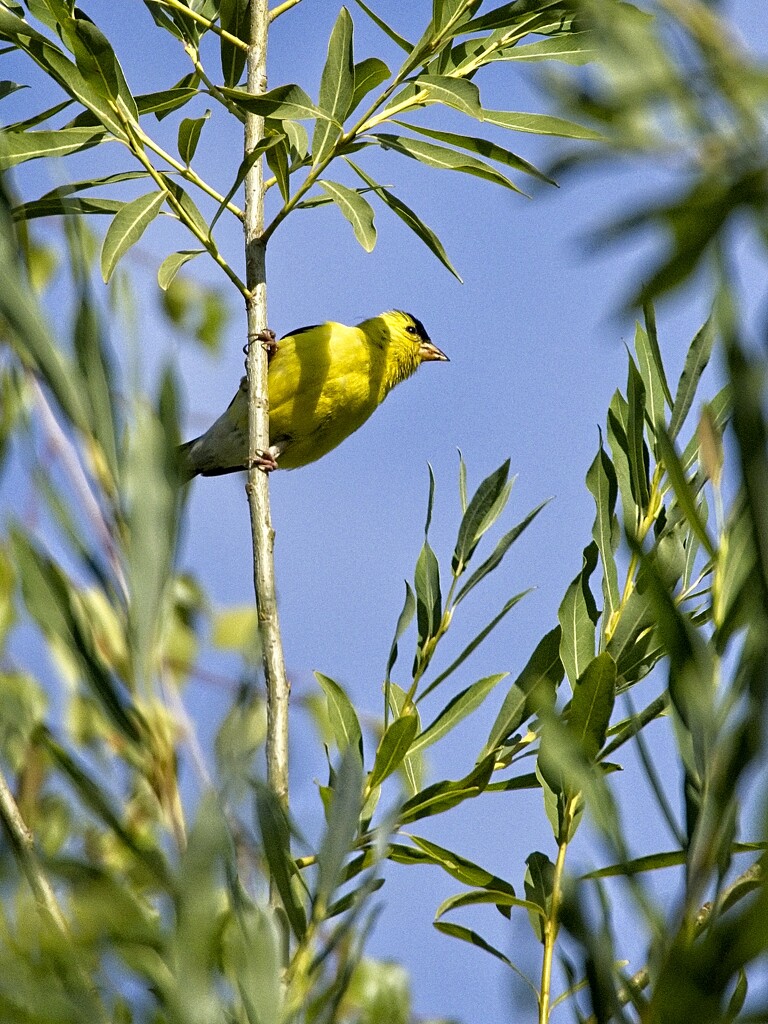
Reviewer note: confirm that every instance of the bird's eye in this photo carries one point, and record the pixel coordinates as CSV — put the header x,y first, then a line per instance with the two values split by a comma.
x,y
411,329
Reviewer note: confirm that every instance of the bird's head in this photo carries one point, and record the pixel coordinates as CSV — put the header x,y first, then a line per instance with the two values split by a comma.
x,y
405,341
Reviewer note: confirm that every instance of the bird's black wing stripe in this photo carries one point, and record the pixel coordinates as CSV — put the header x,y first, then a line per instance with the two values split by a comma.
x,y
301,330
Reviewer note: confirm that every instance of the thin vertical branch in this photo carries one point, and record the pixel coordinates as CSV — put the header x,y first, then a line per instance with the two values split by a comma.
x,y
263,535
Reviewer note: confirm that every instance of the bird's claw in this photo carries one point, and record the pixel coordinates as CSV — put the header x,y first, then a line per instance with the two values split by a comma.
x,y
268,341
265,461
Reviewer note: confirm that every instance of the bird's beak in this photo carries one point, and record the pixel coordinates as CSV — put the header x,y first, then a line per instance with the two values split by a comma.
x,y
431,353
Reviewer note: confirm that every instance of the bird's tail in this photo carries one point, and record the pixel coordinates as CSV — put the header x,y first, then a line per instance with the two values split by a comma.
x,y
188,467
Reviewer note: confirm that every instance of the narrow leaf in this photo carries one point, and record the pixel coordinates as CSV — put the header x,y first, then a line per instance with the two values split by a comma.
x,y
404,620
394,36
357,211
443,158
695,363
534,687
592,704
577,616
498,553
395,744
337,86
473,644
406,214
456,710
342,715
484,509
601,482
172,264
684,492
127,228
369,73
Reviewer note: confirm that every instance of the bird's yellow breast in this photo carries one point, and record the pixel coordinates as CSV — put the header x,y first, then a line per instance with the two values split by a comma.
x,y
324,383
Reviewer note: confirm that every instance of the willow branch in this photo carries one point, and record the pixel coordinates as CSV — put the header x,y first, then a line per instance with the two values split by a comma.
x,y
262,534
24,847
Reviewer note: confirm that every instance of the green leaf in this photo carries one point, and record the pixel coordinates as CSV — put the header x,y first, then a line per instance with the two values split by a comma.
x,y
252,950
172,264
191,212
498,553
406,214
695,363
501,899
535,686
443,158
473,644
99,801
98,374
404,620
540,124
356,210
278,161
454,864
98,63
53,603
189,136
342,825
442,796
126,229
166,101
686,498
18,147
452,92
577,616
394,36
399,703
458,931
573,48
618,417
633,646
484,509
234,17
638,453
275,837
342,715
337,86
151,507
455,711
601,482
286,101
429,603
592,704
53,206
369,74
483,147
393,747
538,888
653,381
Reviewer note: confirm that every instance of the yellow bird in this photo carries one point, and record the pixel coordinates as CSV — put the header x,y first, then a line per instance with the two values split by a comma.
x,y
324,383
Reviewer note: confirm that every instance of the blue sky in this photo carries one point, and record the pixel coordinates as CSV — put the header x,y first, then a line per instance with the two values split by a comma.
x,y
536,349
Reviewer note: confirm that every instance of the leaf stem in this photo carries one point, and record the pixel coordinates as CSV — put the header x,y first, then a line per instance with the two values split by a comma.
x,y
135,144
262,534
176,5
552,923
282,8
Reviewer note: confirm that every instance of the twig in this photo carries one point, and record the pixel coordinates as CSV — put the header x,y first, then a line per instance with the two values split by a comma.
x,y
282,8
201,20
24,847
263,536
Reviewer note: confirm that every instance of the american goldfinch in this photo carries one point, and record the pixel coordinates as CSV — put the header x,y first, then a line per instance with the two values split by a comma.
x,y
324,383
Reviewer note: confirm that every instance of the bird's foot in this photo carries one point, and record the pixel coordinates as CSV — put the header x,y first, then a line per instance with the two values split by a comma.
x,y
266,461
268,341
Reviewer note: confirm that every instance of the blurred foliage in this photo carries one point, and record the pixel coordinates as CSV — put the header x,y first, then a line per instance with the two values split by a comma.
x,y
121,900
